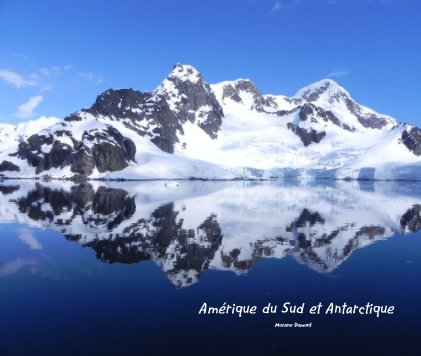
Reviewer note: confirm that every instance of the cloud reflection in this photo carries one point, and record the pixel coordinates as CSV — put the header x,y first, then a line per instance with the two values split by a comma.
x,y
12,267
26,236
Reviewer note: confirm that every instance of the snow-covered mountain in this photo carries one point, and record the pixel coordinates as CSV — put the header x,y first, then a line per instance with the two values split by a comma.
x,y
12,135
187,128
189,227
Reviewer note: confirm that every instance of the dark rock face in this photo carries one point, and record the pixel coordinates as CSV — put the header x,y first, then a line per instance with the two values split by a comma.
x,y
195,96
314,95
211,124
412,139
316,114
36,141
306,217
141,111
307,136
73,117
145,108
367,120
8,189
8,166
165,134
370,232
107,201
59,154
32,203
119,103
232,260
305,244
138,112
112,153
108,157
151,237
411,220
231,93
161,114
307,111
312,111
83,161
104,201
113,202
260,103
82,195
337,94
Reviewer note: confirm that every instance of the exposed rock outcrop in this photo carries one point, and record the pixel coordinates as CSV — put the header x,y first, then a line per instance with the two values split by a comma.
x,y
411,138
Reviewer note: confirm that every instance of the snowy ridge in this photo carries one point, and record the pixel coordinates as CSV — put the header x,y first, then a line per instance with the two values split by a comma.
x,y
331,96
12,135
189,227
187,128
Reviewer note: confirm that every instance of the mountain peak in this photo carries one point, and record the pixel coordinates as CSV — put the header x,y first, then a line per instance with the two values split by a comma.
x,y
182,75
185,72
234,88
245,92
190,98
246,85
327,88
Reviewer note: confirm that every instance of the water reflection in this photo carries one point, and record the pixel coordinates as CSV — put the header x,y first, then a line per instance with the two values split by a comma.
x,y
189,227
12,267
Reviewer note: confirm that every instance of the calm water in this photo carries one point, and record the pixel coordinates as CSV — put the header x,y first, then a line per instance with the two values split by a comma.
x,y
123,269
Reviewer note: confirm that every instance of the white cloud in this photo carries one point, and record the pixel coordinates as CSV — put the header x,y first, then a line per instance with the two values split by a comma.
x,y
289,4
41,78
284,4
44,71
380,2
18,80
339,73
57,70
26,110
20,56
276,7
46,87
15,266
25,235
96,78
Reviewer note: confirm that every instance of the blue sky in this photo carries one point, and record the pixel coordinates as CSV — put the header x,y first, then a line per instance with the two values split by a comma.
x,y
57,56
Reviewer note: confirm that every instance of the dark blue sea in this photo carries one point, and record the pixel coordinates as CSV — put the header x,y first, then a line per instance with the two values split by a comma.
x,y
106,268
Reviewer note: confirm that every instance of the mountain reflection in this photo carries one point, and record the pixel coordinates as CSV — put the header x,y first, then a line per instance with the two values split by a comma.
x,y
189,227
